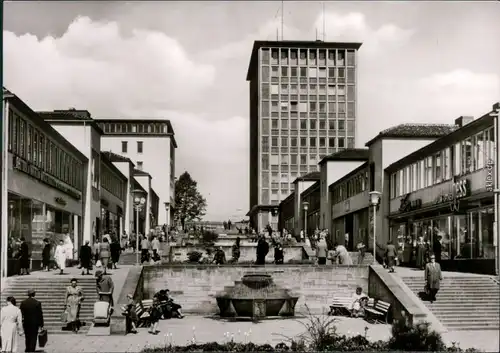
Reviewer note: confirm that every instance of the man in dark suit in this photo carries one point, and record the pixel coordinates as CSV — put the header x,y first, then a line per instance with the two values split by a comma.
x,y
433,277
31,309
86,257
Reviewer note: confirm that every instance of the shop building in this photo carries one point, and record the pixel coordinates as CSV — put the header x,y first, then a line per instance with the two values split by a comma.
x,y
78,127
144,180
113,197
443,194
350,212
46,186
333,168
150,144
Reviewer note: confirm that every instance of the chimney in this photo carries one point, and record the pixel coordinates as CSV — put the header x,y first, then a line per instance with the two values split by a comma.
x,y
463,120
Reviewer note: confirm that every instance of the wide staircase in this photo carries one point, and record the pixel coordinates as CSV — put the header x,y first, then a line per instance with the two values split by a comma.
x,y
464,302
51,293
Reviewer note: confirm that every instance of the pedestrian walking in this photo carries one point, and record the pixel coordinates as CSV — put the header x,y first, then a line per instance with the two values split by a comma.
x,y
104,254
31,310
433,278
60,256
390,255
24,258
11,326
74,298
86,257
46,254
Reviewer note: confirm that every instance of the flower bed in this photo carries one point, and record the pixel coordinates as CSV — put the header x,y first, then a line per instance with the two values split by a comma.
x,y
321,336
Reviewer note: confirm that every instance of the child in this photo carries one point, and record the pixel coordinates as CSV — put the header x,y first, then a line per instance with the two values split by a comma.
x,y
155,316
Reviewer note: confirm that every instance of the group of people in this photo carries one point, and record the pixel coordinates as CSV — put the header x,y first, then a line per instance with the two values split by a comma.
x,y
27,320
163,307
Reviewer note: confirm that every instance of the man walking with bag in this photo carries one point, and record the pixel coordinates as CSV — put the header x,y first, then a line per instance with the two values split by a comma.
x,y
31,309
433,278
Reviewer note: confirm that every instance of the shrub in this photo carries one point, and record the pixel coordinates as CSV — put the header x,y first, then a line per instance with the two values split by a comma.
x,y
194,256
208,236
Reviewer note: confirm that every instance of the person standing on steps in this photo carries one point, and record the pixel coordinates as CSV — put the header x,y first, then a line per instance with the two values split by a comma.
x,y
433,278
262,250
322,251
86,257
60,256
390,255
46,254
31,309
24,258
74,298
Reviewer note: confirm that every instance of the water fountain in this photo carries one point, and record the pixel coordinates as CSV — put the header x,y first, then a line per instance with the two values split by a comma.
x,y
256,296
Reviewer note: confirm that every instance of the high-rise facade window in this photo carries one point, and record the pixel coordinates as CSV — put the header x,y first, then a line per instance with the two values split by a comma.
x,y
124,146
309,96
140,146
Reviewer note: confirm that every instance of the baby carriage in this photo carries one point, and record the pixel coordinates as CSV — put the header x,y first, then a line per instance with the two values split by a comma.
x,y
103,310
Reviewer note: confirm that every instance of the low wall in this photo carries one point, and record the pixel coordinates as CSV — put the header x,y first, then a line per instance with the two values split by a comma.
x,y
247,253
194,286
404,303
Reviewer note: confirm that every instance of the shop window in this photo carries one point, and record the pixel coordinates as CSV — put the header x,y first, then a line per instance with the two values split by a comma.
x,y
466,153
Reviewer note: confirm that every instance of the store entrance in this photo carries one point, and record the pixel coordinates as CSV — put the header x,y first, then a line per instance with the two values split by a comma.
x,y
349,229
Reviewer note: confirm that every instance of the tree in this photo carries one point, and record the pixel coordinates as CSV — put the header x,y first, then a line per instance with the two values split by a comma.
x,y
190,205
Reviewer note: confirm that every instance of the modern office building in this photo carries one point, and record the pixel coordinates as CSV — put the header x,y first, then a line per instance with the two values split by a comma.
x,y
302,108
150,145
45,187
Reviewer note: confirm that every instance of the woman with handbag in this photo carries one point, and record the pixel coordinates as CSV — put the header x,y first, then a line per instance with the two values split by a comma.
x,y
74,298
104,254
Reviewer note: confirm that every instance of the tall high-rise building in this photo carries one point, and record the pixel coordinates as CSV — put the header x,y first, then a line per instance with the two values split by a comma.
x,y
302,108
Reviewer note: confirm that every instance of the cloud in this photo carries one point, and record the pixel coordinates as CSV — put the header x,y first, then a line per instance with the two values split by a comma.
x,y
94,66
93,63
461,92
350,27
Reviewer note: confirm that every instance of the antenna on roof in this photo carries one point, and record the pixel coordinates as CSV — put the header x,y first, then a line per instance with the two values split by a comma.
x,y
282,17
324,22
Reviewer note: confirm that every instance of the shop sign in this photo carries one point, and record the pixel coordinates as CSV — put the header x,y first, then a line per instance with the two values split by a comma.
x,y
407,205
460,189
33,171
60,201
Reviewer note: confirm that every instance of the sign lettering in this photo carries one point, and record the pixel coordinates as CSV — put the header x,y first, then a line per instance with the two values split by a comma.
x,y
460,189
407,205
33,171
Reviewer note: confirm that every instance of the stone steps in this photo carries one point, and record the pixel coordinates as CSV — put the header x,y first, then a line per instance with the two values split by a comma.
x,y
466,302
51,293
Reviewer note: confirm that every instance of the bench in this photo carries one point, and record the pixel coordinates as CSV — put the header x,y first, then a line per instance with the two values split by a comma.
x,y
142,312
342,305
378,312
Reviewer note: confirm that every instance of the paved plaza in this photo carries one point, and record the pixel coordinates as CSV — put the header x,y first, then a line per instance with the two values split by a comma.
x,y
203,329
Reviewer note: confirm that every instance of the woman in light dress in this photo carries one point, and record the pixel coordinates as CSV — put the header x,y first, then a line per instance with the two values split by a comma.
x,y
68,246
74,298
358,303
60,256
11,326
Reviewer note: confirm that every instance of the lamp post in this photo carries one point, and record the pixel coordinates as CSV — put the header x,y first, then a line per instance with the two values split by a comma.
x,y
374,202
305,206
167,210
139,202
496,185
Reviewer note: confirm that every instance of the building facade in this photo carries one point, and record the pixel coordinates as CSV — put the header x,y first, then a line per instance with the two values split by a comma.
x,y
302,108
150,145
113,197
443,194
78,127
45,186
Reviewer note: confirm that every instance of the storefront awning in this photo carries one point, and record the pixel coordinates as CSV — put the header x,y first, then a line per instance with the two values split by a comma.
x,y
465,204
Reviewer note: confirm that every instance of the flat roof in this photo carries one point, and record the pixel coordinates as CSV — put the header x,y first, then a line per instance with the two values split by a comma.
x,y
446,141
113,157
70,117
300,44
312,176
42,124
350,154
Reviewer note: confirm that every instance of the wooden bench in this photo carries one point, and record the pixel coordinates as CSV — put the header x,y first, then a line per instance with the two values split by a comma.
x,y
142,312
342,305
378,312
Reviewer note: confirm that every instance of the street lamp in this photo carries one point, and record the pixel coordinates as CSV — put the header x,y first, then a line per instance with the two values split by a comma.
x,y
139,202
305,206
374,202
167,209
496,184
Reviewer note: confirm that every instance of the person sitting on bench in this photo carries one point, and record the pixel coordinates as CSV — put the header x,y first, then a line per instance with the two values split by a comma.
x,y
358,303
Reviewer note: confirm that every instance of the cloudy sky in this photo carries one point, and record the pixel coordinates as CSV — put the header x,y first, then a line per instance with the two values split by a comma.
x,y
187,61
